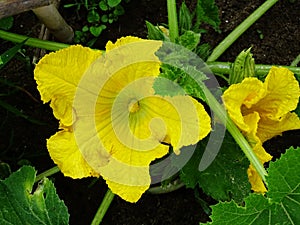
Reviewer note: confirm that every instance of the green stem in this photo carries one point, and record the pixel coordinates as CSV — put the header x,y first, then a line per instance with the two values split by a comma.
x,y
260,69
296,61
172,19
173,186
34,42
47,173
239,30
221,114
109,196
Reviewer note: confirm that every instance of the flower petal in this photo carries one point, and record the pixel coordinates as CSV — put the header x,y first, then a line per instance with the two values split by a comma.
x,y
252,120
240,97
58,74
121,41
127,181
185,119
268,129
64,152
129,193
257,185
282,94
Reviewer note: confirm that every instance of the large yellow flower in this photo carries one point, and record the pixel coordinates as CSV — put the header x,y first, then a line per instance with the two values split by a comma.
x,y
262,111
112,124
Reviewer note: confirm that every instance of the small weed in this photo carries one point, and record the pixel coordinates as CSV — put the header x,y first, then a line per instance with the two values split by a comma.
x,y
100,13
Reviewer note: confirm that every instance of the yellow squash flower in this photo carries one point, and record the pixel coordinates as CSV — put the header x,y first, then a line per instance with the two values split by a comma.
x,y
262,111
111,122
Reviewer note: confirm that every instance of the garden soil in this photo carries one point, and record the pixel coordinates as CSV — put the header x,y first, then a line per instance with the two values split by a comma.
x,y
274,39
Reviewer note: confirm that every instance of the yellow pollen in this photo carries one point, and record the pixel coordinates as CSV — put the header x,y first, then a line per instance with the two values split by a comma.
x,y
133,106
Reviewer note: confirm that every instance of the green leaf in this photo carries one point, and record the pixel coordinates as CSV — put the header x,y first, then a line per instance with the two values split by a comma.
x,y
284,180
20,205
6,23
113,3
85,28
9,54
104,18
281,205
97,30
166,87
180,83
226,177
93,17
119,10
103,5
183,67
207,12
189,40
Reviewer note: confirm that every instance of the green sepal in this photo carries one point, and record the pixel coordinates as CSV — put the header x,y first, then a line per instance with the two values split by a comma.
x,y
185,18
154,33
242,67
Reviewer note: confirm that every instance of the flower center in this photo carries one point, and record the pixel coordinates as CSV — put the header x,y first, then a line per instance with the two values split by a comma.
x,y
133,106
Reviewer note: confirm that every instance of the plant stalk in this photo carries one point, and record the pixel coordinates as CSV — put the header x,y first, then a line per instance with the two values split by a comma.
x,y
109,196
260,69
33,42
296,61
47,173
172,20
240,29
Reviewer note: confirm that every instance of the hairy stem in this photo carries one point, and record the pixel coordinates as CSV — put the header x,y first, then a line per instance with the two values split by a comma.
x,y
172,19
239,30
47,173
109,196
260,69
33,42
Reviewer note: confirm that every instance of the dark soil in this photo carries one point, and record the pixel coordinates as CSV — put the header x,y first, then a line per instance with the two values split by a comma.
x,y
23,142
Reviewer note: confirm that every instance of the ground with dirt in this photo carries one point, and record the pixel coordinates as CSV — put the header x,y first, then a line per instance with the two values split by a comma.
x,y
274,40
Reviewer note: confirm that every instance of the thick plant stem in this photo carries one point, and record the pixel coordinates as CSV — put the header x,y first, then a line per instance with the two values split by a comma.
x,y
296,61
239,30
260,69
47,173
34,42
109,196
172,19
